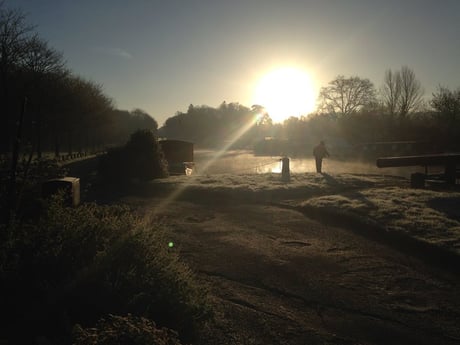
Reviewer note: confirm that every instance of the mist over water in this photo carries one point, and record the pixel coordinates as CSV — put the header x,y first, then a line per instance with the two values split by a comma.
x,y
245,162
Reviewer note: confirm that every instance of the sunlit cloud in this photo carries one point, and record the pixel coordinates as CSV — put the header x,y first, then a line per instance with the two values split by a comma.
x,y
116,52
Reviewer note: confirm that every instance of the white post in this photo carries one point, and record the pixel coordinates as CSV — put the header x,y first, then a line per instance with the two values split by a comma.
x,y
285,173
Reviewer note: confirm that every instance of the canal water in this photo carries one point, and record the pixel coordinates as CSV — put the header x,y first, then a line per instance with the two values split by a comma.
x,y
245,162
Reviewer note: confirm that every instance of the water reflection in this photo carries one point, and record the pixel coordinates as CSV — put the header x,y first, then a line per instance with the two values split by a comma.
x,y
244,162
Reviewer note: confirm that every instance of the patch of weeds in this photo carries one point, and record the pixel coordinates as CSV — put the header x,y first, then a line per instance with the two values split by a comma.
x,y
77,265
124,330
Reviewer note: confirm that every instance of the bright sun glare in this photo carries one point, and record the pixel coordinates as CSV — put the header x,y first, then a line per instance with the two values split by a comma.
x,y
285,92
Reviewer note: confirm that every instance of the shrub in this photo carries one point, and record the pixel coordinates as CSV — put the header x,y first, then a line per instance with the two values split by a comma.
x,y
128,330
145,156
29,176
78,264
141,158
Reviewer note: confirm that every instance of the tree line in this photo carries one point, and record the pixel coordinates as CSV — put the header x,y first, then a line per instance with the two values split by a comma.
x,y
350,110
229,125
357,111
44,106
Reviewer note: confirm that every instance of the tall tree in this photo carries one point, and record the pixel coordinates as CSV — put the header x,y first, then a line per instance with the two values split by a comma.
x,y
88,112
391,91
14,34
346,95
142,120
446,103
232,124
401,92
411,92
41,66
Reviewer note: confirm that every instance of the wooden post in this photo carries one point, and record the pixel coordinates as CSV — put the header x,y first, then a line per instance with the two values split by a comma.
x,y
450,173
417,180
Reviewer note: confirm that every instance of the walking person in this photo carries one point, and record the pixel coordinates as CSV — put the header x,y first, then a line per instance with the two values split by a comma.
x,y
320,152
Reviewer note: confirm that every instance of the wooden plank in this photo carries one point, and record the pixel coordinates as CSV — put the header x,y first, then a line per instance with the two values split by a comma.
x,y
441,159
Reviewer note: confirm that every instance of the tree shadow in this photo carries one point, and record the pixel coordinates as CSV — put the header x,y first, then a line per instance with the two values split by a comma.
x,y
343,190
331,180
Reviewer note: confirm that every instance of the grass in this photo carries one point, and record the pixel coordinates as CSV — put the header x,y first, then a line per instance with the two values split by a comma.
x,y
428,215
77,265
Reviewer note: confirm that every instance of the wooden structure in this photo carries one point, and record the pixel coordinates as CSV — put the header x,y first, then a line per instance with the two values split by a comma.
x,y
391,148
447,160
179,155
70,186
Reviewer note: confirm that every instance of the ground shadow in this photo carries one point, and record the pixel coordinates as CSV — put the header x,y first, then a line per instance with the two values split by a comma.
x,y
331,181
448,206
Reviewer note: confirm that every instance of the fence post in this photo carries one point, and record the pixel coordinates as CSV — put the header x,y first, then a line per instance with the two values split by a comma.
x,y
285,173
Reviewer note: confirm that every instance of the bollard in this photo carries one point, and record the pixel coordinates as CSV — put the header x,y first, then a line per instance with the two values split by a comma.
x,y
285,173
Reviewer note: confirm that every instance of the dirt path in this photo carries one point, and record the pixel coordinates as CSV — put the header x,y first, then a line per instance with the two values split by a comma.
x,y
277,277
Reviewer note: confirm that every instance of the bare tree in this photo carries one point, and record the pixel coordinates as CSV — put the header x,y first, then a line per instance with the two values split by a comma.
x,y
346,95
402,93
446,103
411,92
39,58
391,91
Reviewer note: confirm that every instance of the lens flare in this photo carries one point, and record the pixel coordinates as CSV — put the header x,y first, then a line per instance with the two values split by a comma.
x,y
182,188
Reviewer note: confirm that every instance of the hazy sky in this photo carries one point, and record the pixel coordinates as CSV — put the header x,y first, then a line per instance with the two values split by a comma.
x,y
163,55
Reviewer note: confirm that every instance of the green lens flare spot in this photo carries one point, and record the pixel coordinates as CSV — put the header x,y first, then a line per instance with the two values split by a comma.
x,y
170,244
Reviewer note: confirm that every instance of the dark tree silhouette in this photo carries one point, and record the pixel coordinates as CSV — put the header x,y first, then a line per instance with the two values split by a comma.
x,y
14,35
346,95
446,103
391,91
229,124
40,66
401,92
411,92
141,158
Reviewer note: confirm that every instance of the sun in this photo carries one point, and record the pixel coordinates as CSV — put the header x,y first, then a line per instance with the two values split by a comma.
x,y
285,92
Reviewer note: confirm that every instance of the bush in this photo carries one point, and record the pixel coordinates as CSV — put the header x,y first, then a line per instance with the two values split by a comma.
x,y
78,264
127,330
145,156
29,176
141,158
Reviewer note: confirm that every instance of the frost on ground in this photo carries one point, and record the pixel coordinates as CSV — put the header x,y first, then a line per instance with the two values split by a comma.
x,y
428,215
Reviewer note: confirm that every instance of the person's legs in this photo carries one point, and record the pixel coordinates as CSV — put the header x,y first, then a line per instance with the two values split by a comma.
x,y
318,164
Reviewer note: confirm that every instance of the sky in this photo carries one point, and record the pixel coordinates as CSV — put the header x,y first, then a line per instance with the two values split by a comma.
x,y
162,56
